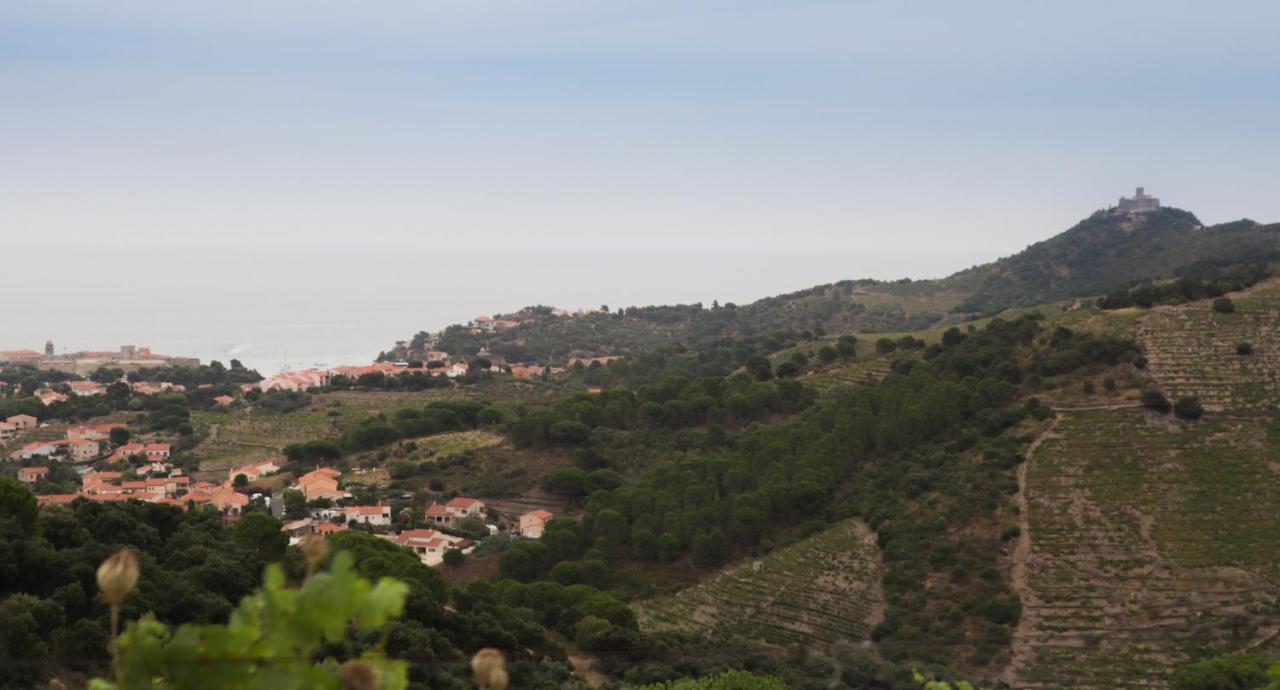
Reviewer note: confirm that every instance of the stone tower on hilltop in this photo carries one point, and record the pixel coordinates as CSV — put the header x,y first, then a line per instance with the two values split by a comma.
x,y
1139,203
48,348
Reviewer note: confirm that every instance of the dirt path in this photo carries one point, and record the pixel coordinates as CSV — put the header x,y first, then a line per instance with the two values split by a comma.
x,y
583,667
876,616
1027,624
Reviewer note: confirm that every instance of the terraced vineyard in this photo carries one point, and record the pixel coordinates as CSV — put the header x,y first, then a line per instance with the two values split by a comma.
x,y
1153,542
862,372
823,589
1192,350
236,439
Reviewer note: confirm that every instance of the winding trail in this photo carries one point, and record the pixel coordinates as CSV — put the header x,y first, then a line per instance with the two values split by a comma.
x,y
1027,624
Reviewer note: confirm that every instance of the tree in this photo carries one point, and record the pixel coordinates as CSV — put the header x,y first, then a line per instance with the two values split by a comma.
x,y
241,481
524,561
886,345
1244,349
826,354
759,367
1188,408
1155,400
261,535
454,557
1224,305
120,436
18,505
472,527
295,505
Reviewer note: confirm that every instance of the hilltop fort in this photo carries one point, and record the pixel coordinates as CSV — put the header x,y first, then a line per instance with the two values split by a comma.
x,y
129,358
1140,202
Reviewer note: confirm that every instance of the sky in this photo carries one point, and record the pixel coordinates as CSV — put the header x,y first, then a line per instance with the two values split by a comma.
x,y
397,166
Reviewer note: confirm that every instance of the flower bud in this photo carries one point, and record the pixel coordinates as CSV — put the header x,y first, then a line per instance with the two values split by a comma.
x,y
489,669
359,675
117,576
313,549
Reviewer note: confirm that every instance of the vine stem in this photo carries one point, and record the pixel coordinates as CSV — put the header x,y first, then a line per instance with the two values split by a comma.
x,y
115,643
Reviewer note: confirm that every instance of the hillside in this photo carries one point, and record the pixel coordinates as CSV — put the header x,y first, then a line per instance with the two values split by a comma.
x,y
1195,350
1151,544
1107,251
1104,252
823,589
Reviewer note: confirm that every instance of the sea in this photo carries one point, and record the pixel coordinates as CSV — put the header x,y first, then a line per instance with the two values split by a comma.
x,y
296,308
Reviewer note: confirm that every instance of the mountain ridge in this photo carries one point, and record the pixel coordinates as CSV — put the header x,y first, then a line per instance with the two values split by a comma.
x,y
1105,251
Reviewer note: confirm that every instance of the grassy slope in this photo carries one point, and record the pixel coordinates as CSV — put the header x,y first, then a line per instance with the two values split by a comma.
x,y
822,589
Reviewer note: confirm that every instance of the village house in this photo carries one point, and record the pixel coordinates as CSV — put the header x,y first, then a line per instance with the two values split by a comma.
x,y
534,523
462,507
31,450
23,422
379,516
156,467
48,397
321,483
86,433
454,510
292,381
456,369
430,545
228,502
298,529
8,431
223,400
148,388
255,471
156,451
128,450
325,528
83,451
30,475
86,389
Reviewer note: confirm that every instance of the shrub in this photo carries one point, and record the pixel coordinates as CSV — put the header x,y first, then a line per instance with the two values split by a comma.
x,y
1155,400
1188,408
1244,349
1238,672
454,557
1224,305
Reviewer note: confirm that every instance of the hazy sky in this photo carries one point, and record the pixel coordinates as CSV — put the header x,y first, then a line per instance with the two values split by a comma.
x,y
889,138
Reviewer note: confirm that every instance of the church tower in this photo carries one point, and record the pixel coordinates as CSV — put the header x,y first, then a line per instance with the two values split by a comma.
x,y
48,348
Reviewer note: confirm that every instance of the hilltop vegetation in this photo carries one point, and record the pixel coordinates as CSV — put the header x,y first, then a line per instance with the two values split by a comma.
x,y
1108,251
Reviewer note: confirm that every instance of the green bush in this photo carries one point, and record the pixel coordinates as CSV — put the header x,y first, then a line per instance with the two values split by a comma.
x,y
1188,408
1155,400
1238,672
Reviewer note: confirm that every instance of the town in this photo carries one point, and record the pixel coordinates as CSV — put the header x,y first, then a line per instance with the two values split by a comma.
x,y
131,459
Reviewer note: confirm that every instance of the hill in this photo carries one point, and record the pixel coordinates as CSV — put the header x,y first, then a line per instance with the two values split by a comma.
x,y
1107,251
1104,252
1151,544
